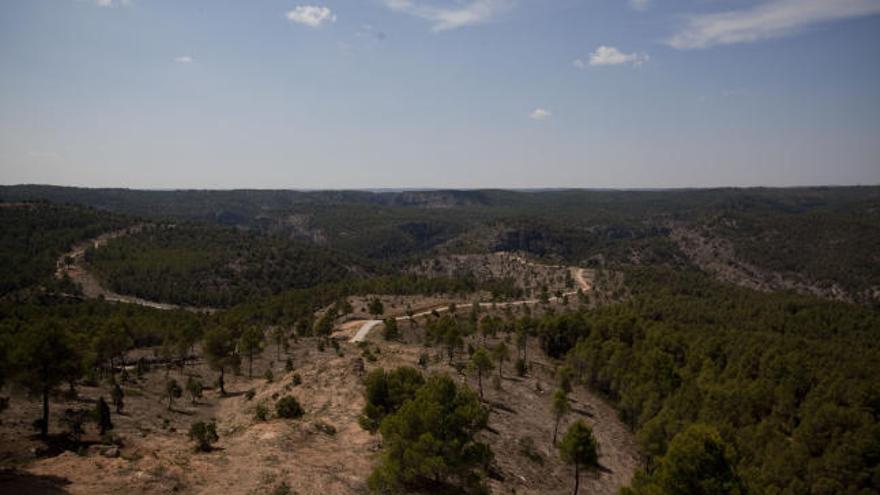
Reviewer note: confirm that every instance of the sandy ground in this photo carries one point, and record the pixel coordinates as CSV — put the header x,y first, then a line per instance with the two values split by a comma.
x,y
260,456
304,455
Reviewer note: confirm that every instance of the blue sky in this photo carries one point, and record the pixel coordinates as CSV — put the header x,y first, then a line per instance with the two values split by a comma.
x,y
439,93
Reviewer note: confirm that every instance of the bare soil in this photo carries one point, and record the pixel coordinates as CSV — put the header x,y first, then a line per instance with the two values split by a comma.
x,y
260,456
718,257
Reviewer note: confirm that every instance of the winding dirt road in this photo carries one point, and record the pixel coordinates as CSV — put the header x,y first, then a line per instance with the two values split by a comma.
x,y
580,278
73,264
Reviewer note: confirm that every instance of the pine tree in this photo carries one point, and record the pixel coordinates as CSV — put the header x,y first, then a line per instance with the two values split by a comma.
x,y
481,362
102,416
579,449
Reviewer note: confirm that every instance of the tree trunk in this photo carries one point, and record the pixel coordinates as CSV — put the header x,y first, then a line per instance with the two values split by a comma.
x,y
251,366
577,478
555,430
480,382
44,428
222,390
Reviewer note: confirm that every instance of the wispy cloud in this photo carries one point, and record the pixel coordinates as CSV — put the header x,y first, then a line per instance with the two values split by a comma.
x,y
770,19
640,5
461,13
609,55
111,3
540,114
311,15
183,59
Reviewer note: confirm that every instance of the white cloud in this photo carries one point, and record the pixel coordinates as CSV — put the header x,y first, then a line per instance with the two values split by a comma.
x,y
609,55
540,114
770,19
461,13
640,5
183,59
311,15
111,3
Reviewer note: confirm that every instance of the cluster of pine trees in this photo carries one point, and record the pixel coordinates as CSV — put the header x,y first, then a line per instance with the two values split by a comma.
x,y
35,235
780,387
202,265
60,342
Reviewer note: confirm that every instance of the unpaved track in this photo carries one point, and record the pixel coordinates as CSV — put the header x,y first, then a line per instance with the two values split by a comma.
x,y
91,286
579,277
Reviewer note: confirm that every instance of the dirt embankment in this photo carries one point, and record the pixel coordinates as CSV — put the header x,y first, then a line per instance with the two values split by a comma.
x,y
718,257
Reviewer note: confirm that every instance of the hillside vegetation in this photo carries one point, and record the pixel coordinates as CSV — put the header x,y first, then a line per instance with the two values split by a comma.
x,y
35,235
665,342
811,237
787,381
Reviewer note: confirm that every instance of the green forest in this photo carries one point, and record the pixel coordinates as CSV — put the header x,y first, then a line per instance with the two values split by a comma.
x,y
726,389
788,382
35,235
204,265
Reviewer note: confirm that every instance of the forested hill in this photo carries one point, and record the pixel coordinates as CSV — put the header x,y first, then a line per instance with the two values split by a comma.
x,y
34,235
251,207
816,240
785,386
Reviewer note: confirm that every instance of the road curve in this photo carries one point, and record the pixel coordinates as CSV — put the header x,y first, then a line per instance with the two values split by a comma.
x,y
579,277
92,288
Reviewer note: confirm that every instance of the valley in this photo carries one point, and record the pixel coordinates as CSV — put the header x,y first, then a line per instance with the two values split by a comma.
x,y
255,359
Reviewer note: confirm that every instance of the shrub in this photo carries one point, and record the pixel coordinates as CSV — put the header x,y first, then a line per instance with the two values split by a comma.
x,y
288,408
297,380
250,394
262,412
282,489
369,356
288,365
74,419
269,376
204,434
194,387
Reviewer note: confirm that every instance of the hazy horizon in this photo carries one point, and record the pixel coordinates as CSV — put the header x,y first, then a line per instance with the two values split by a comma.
x,y
455,94
440,189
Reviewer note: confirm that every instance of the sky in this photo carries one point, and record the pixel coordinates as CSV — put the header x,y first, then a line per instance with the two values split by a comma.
x,y
337,94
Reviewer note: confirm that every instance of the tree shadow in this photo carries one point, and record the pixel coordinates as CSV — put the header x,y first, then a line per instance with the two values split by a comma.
x,y
24,483
229,395
58,443
582,412
500,406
